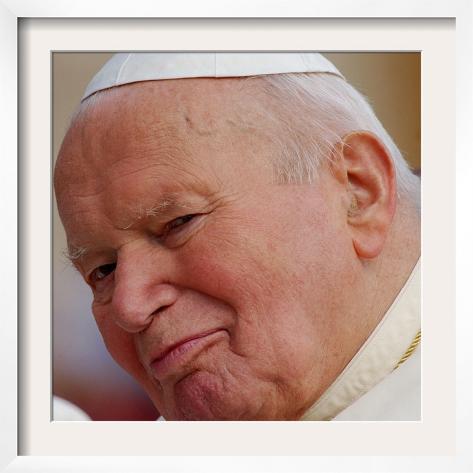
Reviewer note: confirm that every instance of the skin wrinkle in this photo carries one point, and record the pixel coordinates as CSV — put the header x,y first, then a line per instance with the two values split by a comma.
x,y
227,385
274,266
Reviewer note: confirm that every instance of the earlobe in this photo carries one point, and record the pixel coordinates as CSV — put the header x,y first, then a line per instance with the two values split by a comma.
x,y
371,191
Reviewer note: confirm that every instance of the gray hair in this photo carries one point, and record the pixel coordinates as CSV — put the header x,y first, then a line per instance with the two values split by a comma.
x,y
319,110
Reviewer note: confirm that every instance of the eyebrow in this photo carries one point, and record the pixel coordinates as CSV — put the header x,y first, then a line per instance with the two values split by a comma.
x,y
164,206
73,253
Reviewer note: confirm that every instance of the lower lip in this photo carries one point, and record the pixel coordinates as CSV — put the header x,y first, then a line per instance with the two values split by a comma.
x,y
183,353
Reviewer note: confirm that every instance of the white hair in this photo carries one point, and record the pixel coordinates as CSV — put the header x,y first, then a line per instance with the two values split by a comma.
x,y
318,111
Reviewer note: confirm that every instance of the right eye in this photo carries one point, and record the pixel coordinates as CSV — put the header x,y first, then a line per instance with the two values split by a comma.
x,y
179,222
100,273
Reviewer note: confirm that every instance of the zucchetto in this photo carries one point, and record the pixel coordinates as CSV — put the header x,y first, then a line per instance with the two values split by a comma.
x,y
126,68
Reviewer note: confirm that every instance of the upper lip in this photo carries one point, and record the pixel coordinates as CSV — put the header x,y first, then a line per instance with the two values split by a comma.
x,y
165,350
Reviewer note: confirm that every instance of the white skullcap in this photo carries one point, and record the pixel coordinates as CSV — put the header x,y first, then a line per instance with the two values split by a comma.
x,y
125,68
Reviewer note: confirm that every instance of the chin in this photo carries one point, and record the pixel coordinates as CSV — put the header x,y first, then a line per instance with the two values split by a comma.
x,y
204,396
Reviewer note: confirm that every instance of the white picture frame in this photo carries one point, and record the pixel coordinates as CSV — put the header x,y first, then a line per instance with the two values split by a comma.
x,y
11,11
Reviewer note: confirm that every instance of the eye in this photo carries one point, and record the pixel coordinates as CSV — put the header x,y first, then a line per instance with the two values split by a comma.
x,y
179,222
102,272
178,231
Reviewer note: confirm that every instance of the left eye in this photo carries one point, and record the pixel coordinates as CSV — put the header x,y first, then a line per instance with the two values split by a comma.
x,y
179,222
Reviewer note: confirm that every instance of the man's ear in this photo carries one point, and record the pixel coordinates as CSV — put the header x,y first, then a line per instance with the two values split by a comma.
x,y
365,167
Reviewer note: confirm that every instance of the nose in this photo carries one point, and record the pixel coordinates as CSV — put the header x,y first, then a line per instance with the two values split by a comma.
x,y
141,289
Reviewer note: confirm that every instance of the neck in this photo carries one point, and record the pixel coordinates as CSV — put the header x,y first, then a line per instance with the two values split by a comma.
x,y
390,271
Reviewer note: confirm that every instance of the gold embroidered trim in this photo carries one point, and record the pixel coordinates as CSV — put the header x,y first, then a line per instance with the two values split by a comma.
x,y
410,350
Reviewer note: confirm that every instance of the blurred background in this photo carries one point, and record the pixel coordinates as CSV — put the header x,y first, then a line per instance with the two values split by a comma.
x,y
83,371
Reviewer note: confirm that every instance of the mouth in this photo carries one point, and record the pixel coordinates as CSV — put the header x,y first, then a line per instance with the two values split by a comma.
x,y
182,352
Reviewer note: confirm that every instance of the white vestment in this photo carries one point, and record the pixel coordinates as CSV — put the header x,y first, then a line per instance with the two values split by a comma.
x,y
396,397
66,410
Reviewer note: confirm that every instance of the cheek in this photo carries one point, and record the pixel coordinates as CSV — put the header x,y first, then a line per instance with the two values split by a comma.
x,y
233,271
282,275
255,276
119,343
255,266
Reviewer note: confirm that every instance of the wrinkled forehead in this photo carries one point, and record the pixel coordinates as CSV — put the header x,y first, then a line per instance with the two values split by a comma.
x,y
168,99
188,126
119,120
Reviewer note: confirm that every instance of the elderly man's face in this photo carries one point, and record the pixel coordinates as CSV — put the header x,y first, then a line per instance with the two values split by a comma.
x,y
223,293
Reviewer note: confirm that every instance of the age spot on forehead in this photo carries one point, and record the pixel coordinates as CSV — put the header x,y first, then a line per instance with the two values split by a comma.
x,y
202,129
